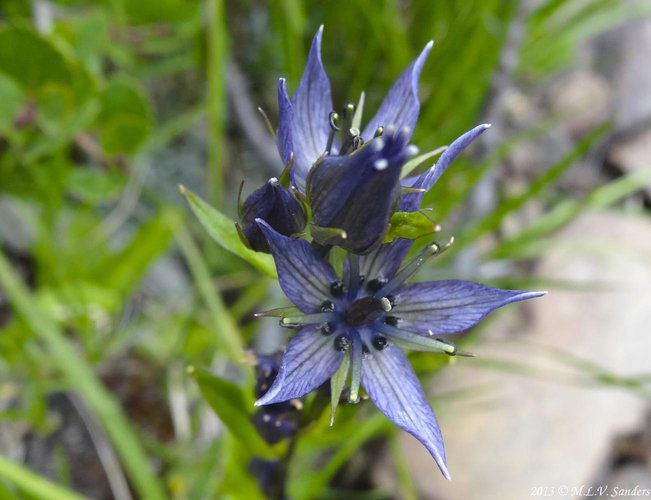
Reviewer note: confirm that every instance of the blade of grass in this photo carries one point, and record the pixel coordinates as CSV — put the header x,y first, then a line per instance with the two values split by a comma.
x,y
219,314
528,242
32,484
493,220
81,378
216,31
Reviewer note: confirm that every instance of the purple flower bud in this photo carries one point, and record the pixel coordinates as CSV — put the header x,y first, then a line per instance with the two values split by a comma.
x,y
353,195
277,206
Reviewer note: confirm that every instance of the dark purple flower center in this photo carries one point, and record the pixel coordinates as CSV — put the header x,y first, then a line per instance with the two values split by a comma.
x,y
364,311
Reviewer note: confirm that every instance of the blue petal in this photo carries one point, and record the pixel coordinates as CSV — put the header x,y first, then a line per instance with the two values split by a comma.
x,y
449,306
285,113
311,104
385,260
303,275
411,202
400,107
394,388
309,360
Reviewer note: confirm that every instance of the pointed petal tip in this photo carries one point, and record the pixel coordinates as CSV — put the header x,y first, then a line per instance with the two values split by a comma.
x,y
429,45
320,29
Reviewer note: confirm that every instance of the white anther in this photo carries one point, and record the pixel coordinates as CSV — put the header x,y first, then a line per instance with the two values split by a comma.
x,y
412,150
381,164
386,304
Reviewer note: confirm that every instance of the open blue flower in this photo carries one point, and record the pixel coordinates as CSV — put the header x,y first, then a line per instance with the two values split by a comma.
x,y
364,322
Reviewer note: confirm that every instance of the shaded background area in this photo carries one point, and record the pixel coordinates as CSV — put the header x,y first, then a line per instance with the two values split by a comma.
x,y
110,289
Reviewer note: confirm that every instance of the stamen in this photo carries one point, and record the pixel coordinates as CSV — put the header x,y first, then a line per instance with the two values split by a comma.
x,y
327,328
342,343
410,269
425,343
381,164
379,342
391,320
379,131
358,142
356,356
353,275
334,128
376,283
334,121
412,150
337,288
327,306
307,319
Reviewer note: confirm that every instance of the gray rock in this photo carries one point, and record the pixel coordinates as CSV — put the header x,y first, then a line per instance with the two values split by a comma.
x,y
633,77
633,155
541,422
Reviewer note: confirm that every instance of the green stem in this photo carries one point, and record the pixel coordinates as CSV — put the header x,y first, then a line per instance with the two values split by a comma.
x,y
216,78
81,377
219,314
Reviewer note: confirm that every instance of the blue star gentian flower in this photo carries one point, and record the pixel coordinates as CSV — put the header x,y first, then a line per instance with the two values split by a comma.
x,y
364,322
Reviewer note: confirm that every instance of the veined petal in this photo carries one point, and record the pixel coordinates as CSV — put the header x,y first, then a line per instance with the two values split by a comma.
x,y
309,360
311,105
400,107
449,306
385,260
285,115
303,275
411,202
394,388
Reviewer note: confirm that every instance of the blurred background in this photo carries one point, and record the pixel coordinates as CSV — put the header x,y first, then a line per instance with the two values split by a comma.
x,y
110,288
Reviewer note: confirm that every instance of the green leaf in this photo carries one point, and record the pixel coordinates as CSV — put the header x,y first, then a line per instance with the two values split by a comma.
x,y
125,118
11,102
223,231
41,63
95,186
410,225
123,270
232,407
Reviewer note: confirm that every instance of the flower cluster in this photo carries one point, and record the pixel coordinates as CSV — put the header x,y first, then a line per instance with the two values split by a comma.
x,y
352,329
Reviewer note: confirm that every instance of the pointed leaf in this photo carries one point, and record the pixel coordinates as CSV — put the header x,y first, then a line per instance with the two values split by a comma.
x,y
228,401
223,231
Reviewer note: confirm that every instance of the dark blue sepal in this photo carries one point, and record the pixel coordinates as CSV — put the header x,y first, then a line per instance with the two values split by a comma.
x,y
274,204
